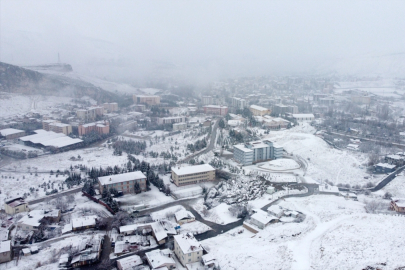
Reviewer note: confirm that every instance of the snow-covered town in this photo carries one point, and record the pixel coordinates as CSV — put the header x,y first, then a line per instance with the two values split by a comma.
x,y
294,171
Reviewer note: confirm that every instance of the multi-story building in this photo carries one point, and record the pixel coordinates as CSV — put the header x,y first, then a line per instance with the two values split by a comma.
x,y
150,100
192,174
90,113
187,249
101,127
206,100
15,206
361,99
280,109
111,107
60,128
328,101
304,117
238,103
46,123
258,110
179,126
258,151
171,120
215,109
123,182
11,133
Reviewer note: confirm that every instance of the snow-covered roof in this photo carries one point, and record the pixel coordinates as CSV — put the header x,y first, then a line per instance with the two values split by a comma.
x,y
183,214
275,209
5,246
10,131
262,216
400,202
259,108
118,178
208,258
15,202
32,218
397,157
187,243
59,125
42,136
303,115
385,165
192,169
84,221
328,189
158,259
61,142
215,106
128,263
243,148
67,228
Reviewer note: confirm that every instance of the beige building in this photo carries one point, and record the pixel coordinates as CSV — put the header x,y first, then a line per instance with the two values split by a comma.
x,y
124,182
11,133
150,100
398,205
60,128
46,124
90,113
15,206
192,174
187,249
111,107
258,110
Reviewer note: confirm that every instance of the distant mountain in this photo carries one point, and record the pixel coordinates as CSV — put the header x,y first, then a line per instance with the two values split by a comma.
x,y
17,79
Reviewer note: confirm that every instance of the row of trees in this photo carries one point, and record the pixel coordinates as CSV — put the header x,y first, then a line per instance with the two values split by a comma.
x,y
197,146
18,154
129,146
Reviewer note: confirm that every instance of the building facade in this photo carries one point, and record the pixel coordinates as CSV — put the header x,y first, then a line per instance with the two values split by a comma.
x,y
253,152
11,133
60,128
179,126
304,117
15,206
192,174
258,110
90,113
215,109
111,107
187,249
102,127
171,120
150,100
206,100
123,182
239,103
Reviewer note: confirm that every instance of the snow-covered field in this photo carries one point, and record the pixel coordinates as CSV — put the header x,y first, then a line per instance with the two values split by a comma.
x,y
336,234
396,187
218,214
324,162
282,164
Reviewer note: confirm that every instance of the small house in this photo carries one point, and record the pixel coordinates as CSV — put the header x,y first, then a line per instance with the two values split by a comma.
x,y
184,216
15,206
129,263
384,168
398,205
160,258
275,210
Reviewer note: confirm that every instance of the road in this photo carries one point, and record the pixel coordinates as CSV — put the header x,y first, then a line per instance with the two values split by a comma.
x,y
209,147
70,191
382,183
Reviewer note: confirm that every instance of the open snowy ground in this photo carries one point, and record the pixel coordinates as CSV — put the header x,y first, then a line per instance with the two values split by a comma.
x,y
218,214
336,234
324,162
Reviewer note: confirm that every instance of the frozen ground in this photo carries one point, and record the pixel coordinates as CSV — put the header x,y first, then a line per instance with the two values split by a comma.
x,y
336,234
218,214
282,164
396,187
324,162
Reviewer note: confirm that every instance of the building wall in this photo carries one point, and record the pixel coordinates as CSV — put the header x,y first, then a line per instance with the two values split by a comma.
x,y
216,110
18,209
193,178
245,158
186,258
259,112
15,135
126,186
171,120
180,126
150,100
5,256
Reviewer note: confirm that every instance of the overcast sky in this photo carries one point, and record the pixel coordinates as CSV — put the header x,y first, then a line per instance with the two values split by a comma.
x,y
202,39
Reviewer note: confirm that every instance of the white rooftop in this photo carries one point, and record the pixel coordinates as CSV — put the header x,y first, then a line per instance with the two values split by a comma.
x,y
5,246
386,165
158,259
130,262
243,148
192,169
10,131
84,221
303,115
118,178
183,214
275,209
259,108
262,216
187,243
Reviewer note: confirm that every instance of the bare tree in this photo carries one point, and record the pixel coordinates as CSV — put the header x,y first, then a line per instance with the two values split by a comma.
x,y
372,206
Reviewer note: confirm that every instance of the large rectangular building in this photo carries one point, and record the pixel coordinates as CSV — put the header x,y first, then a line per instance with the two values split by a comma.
x,y
187,249
192,174
258,151
171,120
238,103
111,107
11,133
123,182
215,109
60,128
150,100
102,127
258,110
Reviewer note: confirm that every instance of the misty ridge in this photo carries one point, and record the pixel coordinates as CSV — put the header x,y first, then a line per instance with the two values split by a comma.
x,y
202,135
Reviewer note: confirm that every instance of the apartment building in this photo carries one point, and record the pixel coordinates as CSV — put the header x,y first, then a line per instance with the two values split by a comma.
x,y
150,100
192,174
46,123
171,120
258,151
258,110
215,109
111,107
60,128
187,249
304,117
206,100
239,103
101,127
123,182
179,126
90,113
